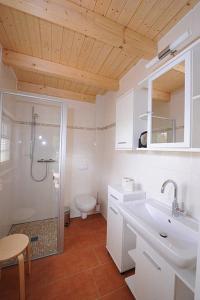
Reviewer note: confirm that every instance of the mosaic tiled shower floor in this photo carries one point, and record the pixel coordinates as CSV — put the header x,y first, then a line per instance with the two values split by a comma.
x,y
43,234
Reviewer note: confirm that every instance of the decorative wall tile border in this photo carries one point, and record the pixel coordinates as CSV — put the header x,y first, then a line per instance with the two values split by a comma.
x,y
38,124
7,115
107,126
81,128
92,128
56,125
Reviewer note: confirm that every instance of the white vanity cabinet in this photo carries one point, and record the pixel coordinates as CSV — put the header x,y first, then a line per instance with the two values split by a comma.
x,y
154,278
119,238
115,234
128,125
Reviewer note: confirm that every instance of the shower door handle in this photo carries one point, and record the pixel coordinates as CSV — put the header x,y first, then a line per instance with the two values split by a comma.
x,y
56,177
56,181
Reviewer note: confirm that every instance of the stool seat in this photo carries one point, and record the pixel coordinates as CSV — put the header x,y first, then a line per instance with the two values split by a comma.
x,y
12,245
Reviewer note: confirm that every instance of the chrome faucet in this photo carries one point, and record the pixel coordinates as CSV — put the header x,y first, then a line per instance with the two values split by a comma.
x,y
175,207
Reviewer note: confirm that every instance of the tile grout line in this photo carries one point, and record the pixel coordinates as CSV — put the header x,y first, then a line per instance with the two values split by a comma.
x,y
92,263
110,293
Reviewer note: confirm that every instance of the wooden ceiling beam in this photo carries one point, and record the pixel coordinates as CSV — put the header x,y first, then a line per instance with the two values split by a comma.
x,y
80,19
161,96
179,68
45,67
49,91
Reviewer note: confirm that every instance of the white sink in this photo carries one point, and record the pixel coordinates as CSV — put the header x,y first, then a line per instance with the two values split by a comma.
x,y
150,219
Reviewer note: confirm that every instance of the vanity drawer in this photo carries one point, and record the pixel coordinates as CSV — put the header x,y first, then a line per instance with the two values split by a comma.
x,y
115,234
154,278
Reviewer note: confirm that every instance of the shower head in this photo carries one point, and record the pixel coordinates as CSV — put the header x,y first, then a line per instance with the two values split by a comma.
x,y
34,115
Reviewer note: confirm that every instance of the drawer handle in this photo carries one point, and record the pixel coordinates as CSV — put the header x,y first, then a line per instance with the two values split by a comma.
x,y
114,197
122,143
152,261
113,210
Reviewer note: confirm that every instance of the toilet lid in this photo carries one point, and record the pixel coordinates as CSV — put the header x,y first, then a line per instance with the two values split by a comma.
x,y
86,199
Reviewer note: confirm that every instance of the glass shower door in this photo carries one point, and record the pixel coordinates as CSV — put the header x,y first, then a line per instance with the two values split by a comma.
x,y
31,153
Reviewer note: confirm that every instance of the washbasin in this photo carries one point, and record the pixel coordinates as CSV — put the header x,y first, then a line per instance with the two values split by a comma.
x,y
176,239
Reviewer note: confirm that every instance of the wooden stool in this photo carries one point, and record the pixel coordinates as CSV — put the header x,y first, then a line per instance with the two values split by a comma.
x,y
13,246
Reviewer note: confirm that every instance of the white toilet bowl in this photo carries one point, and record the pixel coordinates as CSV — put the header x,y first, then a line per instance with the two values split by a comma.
x,y
85,203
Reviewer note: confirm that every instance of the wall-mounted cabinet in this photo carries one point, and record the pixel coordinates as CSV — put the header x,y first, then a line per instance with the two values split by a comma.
x,y
196,70
195,102
174,103
128,124
169,104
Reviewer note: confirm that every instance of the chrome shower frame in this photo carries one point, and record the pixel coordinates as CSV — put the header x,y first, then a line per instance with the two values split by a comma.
x,y
32,150
62,153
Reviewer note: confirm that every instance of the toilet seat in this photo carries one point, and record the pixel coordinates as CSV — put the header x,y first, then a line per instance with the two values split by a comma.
x,y
85,202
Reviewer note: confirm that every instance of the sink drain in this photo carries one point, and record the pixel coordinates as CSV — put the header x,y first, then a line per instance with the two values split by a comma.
x,y
163,234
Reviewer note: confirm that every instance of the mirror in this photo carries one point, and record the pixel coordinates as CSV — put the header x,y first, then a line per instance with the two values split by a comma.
x,y
168,106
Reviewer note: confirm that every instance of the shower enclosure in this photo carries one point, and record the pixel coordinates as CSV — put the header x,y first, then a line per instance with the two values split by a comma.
x,y
32,169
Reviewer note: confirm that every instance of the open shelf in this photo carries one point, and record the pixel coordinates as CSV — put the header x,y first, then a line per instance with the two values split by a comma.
x,y
196,97
170,149
130,282
187,276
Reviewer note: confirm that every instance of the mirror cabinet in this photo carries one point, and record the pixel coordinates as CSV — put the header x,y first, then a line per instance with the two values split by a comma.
x,y
174,102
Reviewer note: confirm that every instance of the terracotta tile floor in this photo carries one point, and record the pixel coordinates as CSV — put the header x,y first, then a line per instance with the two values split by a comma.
x,y
84,271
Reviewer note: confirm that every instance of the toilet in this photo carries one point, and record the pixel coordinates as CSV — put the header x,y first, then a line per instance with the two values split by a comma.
x,y
85,203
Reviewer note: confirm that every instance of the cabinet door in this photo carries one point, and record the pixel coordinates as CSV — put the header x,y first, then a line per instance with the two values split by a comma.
x,y
154,279
196,97
170,104
115,234
124,122
196,71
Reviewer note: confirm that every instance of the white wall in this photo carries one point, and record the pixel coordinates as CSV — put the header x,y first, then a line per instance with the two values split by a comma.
x,y
81,152
149,169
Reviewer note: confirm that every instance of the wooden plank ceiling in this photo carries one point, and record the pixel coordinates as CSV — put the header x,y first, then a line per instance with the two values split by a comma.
x,y
81,48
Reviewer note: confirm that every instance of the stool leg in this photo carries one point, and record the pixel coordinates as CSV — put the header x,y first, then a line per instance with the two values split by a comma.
x,y
28,253
21,276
